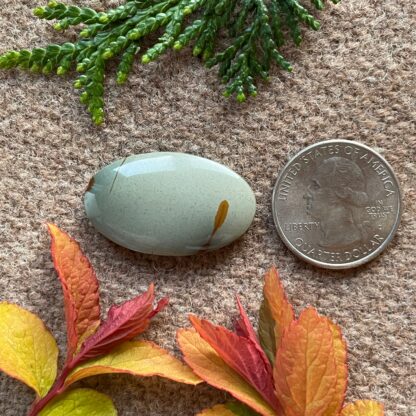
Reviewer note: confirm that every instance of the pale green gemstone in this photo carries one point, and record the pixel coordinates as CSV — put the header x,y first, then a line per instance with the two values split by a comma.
x,y
169,203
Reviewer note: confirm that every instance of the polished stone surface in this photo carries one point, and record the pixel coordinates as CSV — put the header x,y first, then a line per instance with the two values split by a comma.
x,y
171,204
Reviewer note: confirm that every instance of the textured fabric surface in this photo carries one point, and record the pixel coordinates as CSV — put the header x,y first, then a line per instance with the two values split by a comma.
x,y
354,79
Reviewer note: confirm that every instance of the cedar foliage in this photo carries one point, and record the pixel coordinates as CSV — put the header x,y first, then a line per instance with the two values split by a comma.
x,y
254,31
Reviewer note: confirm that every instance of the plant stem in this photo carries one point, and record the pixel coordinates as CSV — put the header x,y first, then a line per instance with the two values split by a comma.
x,y
57,388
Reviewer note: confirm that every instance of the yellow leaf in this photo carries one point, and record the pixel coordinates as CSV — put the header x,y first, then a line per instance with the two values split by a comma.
x,y
28,351
80,402
218,410
139,358
340,350
208,365
306,373
229,409
363,408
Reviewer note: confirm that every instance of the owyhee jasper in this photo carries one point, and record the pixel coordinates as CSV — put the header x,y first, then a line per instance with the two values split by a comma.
x,y
170,204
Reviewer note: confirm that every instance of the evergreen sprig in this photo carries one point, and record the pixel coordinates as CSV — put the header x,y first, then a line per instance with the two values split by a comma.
x,y
254,31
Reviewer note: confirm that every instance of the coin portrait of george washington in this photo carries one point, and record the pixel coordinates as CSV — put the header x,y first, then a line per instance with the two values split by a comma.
x,y
337,204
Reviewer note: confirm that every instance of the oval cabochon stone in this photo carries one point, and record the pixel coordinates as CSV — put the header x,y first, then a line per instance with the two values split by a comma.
x,y
171,204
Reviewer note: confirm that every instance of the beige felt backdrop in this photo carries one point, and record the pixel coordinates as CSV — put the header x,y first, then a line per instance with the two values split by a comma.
x,y
354,79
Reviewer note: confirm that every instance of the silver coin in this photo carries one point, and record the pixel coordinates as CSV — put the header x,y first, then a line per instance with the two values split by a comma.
x,y
337,204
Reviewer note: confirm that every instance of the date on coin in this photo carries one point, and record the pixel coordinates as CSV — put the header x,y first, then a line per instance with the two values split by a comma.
x,y
337,204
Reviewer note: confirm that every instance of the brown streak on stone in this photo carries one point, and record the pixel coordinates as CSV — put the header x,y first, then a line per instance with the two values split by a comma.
x,y
221,216
90,184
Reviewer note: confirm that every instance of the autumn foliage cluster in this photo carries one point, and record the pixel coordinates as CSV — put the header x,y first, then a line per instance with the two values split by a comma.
x,y
29,352
292,367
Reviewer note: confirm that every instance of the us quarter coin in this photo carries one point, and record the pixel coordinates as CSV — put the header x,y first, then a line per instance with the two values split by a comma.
x,y
337,204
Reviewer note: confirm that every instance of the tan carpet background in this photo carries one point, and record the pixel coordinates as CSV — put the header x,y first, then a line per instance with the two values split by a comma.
x,y
354,79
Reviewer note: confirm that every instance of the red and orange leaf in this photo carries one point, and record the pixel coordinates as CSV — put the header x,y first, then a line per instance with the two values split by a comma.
x,y
363,408
245,329
80,288
243,325
280,308
340,350
123,323
242,355
207,364
139,358
306,372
